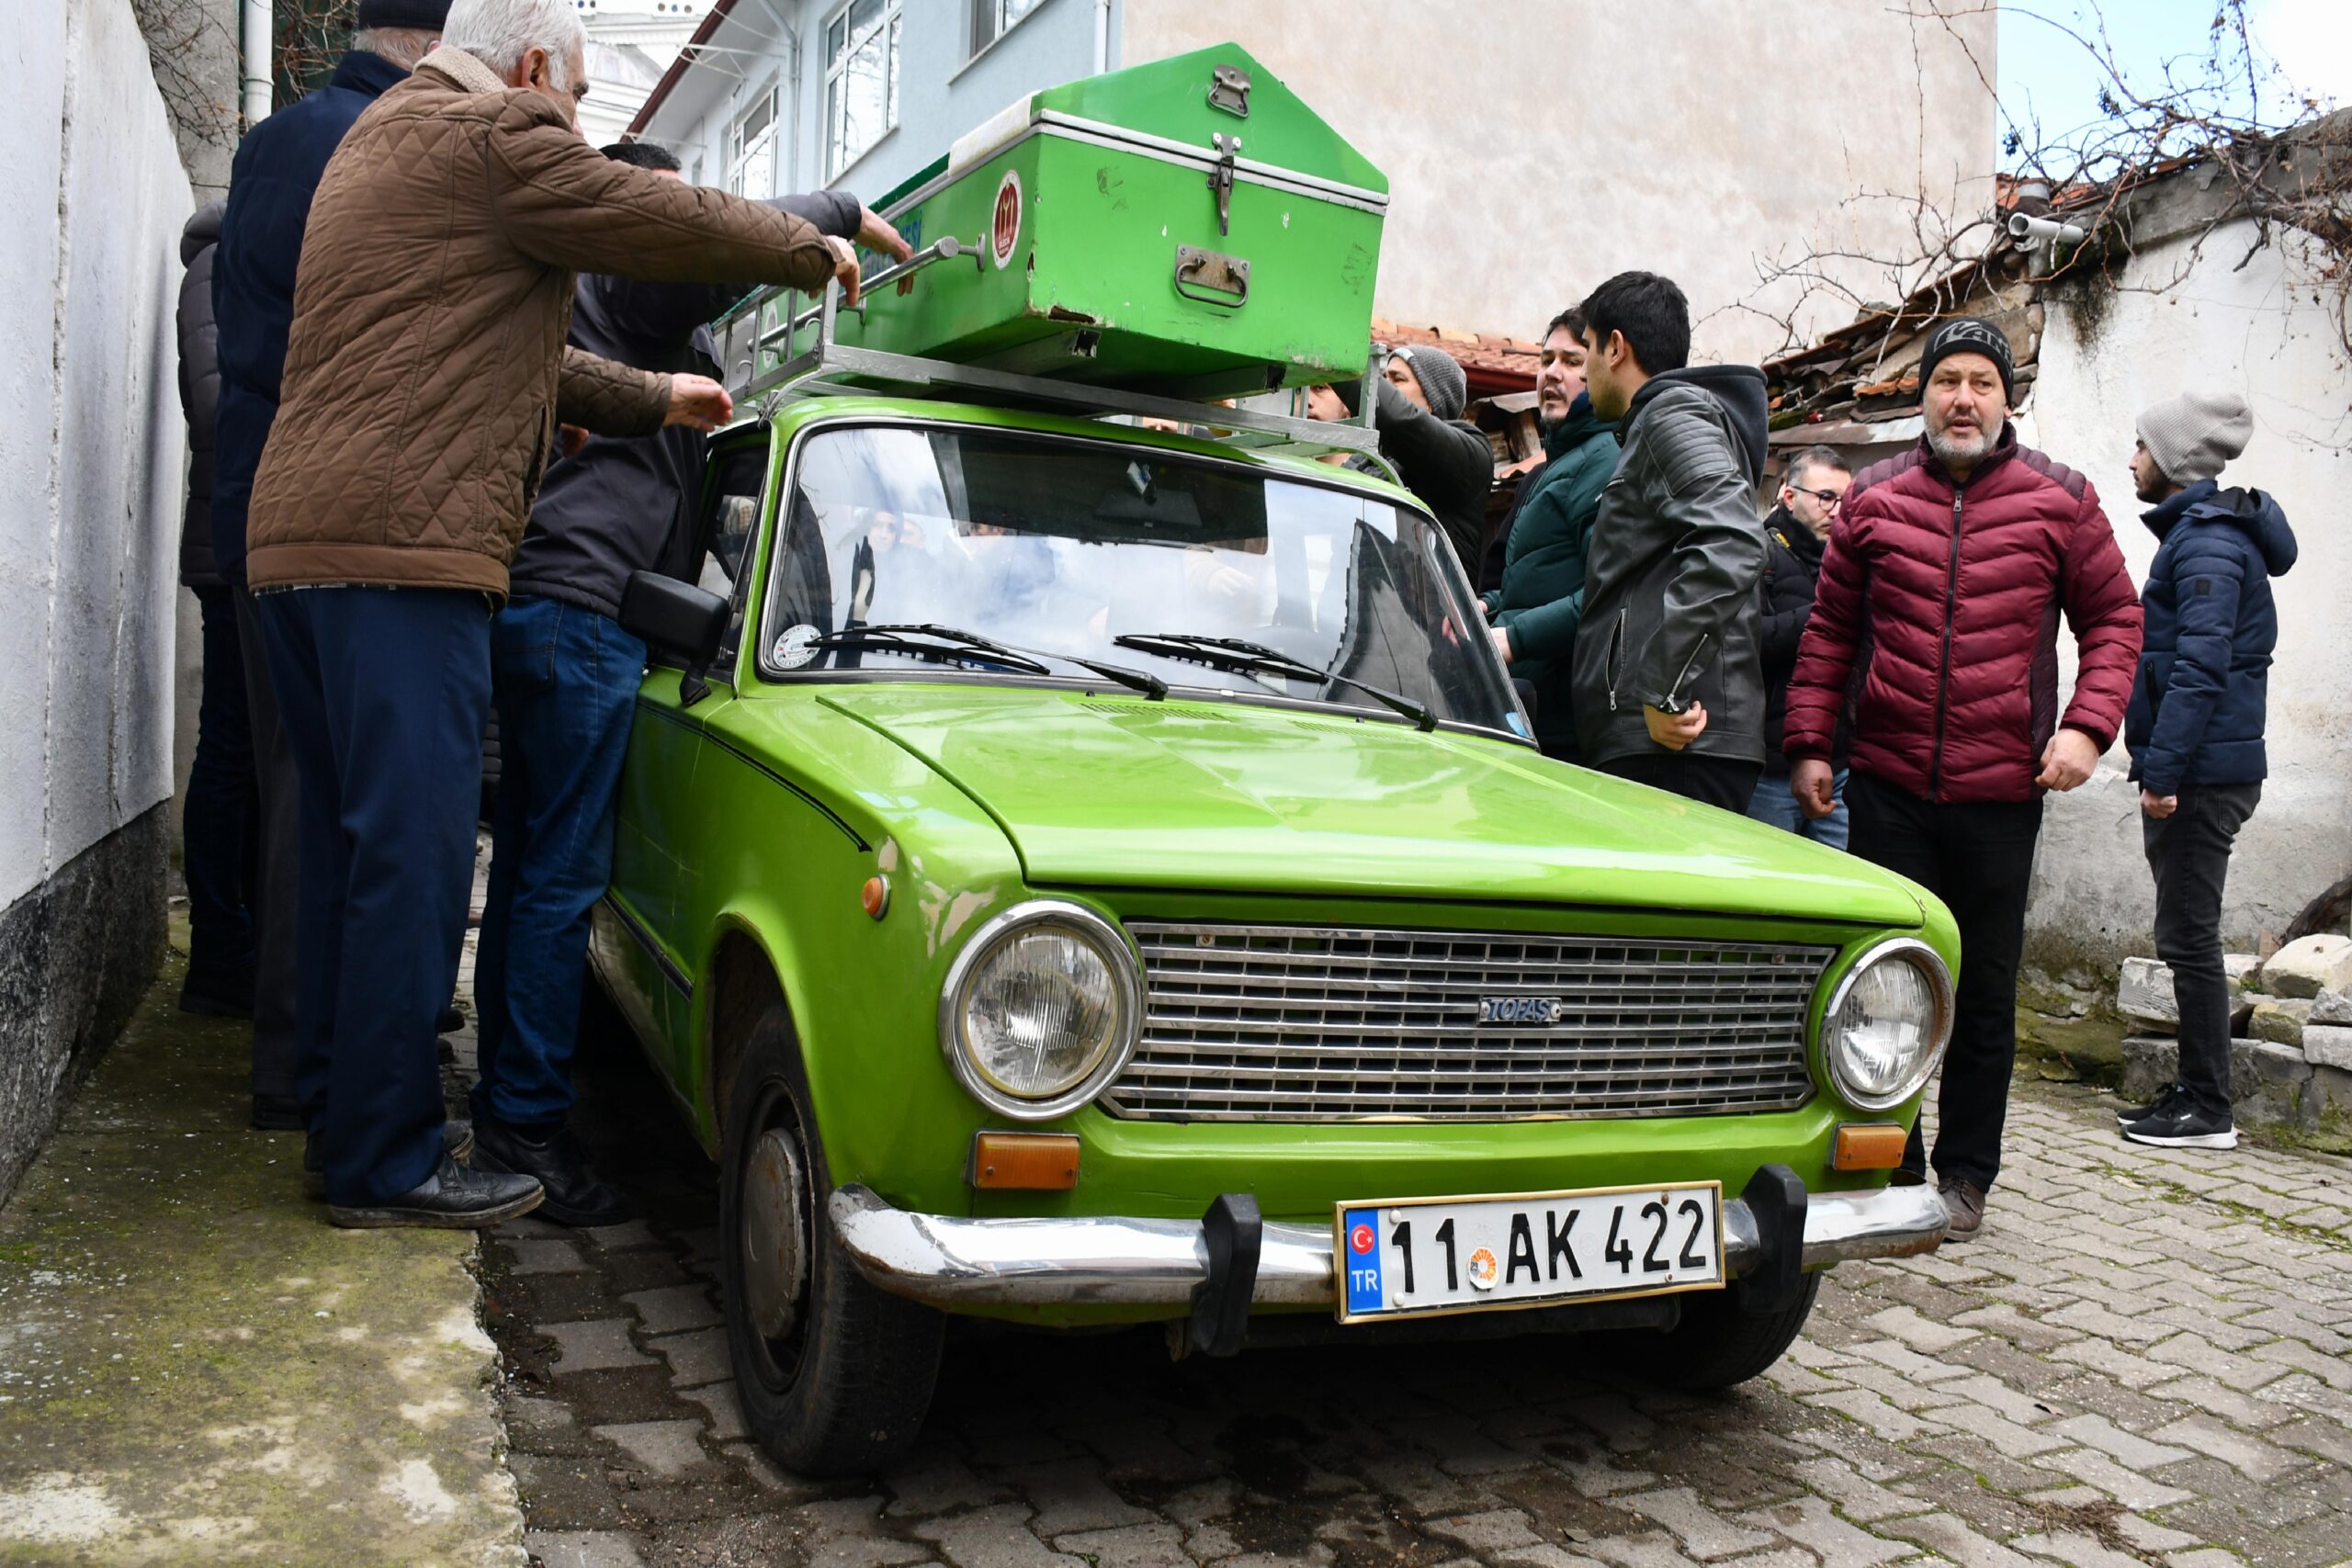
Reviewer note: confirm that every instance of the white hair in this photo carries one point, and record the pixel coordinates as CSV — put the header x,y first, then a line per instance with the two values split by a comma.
x,y
500,32
402,46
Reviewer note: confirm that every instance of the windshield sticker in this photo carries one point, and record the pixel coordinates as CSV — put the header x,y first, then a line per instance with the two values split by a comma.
x,y
796,646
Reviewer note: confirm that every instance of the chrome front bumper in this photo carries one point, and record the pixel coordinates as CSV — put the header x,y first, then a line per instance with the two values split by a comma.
x,y
949,1261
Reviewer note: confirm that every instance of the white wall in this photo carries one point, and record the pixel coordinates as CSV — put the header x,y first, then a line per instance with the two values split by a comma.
x,y
91,440
1533,150
2258,331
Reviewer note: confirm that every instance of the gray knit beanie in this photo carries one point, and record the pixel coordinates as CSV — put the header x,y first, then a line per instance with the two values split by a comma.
x,y
2192,435
1442,380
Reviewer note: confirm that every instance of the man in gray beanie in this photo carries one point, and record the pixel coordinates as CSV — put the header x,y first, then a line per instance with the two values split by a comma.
x,y
2195,726
1442,457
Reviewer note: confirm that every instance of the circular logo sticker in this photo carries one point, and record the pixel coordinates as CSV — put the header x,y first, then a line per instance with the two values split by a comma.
x,y
1482,1270
1005,232
796,646
1360,1239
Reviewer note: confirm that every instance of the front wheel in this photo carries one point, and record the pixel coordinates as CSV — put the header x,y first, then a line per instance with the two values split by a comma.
x,y
835,1375
1716,1343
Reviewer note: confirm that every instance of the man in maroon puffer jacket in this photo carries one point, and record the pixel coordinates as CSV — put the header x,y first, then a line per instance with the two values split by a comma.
x,y
1934,633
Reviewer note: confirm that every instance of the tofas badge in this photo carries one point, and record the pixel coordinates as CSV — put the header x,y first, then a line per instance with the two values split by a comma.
x,y
1005,232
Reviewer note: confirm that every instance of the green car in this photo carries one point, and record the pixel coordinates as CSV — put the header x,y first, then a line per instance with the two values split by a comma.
x,y
1077,873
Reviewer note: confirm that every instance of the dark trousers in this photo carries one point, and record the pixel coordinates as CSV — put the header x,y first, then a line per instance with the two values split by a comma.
x,y
2189,852
220,827
1977,856
383,693
1722,782
276,885
564,680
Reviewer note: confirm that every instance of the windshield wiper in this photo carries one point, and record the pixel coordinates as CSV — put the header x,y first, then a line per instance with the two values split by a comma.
x,y
946,645
1232,654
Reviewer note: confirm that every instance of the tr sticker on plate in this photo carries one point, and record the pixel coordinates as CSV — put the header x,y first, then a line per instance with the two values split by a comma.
x,y
1415,1257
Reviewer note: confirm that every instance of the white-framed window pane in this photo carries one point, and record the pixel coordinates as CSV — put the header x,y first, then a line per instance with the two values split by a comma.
x,y
750,149
861,80
992,18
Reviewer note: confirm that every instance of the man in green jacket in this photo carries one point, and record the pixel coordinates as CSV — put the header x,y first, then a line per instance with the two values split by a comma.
x,y
1534,612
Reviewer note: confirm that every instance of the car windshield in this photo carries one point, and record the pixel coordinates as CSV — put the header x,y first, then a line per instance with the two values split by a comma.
x,y
1066,547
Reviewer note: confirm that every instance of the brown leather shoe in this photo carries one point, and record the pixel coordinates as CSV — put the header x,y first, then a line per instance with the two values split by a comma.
x,y
1966,1202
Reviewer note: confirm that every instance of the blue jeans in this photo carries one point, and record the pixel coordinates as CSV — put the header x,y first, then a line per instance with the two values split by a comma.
x,y
565,681
383,693
1773,803
222,826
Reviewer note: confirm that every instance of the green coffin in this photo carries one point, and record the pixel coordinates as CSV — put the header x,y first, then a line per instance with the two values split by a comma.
x,y
1187,226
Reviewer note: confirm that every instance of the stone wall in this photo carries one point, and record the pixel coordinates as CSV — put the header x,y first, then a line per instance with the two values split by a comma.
x,y
2183,317
92,442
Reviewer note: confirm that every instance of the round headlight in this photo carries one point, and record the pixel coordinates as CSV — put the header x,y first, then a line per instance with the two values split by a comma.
x,y
1887,1024
1041,1010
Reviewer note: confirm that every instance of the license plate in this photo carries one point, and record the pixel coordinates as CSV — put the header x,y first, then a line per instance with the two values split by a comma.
x,y
1413,1257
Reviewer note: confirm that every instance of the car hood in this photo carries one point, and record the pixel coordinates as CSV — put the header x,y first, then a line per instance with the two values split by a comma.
x,y
1121,791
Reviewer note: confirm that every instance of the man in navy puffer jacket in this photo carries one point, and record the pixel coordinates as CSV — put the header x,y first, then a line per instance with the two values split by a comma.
x,y
2195,726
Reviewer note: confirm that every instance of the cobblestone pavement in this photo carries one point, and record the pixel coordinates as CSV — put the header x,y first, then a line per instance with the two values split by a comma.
x,y
2142,1363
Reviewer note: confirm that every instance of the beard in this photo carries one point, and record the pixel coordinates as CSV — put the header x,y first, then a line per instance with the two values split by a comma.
x,y
1962,447
2153,490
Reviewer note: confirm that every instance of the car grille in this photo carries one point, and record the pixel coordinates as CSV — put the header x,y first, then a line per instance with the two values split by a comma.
x,y
1297,1023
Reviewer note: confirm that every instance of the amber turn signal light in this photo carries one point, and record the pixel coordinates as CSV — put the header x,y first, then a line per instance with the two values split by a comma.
x,y
875,896
1025,1162
1872,1146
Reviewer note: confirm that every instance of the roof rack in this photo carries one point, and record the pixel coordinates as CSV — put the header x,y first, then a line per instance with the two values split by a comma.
x,y
765,326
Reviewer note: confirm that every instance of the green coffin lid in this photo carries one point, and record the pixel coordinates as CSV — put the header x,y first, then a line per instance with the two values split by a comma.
x,y
1168,100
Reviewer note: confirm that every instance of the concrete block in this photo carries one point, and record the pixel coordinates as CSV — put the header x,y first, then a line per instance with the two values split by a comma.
x,y
2267,1083
2330,1006
2279,1019
2240,966
2143,994
2328,1045
2150,1062
2308,965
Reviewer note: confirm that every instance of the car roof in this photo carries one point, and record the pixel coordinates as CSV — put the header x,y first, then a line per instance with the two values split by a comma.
x,y
801,411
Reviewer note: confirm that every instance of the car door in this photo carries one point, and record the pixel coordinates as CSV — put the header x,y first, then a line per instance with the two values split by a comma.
x,y
642,940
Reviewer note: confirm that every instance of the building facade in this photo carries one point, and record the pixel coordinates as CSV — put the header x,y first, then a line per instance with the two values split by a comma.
x,y
1532,151
91,437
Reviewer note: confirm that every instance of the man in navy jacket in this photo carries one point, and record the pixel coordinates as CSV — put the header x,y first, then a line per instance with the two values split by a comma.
x,y
271,182
2195,726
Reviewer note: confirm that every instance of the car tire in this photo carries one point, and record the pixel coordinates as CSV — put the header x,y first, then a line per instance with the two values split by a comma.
x,y
1717,1344
843,1388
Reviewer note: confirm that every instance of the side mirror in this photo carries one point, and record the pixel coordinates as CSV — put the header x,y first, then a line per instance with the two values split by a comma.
x,y
679,619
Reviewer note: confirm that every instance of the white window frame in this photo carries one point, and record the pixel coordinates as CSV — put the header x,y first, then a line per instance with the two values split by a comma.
x,y
889,27
991,14
740,151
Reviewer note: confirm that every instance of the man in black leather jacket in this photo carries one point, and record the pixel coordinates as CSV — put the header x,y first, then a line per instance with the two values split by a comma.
x,y
1669,690
1796,531
564,676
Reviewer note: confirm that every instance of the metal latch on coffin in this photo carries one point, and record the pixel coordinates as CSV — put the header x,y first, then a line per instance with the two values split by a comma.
x,y
1228,148
1212,276
1229,90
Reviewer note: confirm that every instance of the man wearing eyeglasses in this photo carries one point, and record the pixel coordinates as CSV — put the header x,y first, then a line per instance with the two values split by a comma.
x,y
1795,533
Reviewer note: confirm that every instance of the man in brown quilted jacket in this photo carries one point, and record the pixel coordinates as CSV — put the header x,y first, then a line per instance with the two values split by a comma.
x,y
427,373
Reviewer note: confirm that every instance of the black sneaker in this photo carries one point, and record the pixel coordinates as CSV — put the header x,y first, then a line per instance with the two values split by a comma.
x,y
277,1113
575,1196
448,1020
2166,1094
454,1197
2184,1127
456,1142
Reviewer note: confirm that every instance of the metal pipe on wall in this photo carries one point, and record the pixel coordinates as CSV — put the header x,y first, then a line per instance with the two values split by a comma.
x,y
1102,35
255,67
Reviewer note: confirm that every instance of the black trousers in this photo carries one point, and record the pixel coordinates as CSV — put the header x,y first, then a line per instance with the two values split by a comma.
x,y
1977,856
221,824
1723,781
276,866
2189,852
